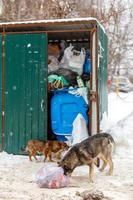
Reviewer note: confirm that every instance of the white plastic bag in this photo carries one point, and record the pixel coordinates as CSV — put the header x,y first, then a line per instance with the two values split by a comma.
x,y
73,59
80,131
51,177
64,63
53,65
80,92
68,52
77,60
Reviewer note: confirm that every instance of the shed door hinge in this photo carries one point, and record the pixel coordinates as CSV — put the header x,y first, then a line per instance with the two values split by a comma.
x,y
93,95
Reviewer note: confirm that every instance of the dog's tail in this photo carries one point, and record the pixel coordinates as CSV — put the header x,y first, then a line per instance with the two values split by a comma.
x,y
109,140
112,143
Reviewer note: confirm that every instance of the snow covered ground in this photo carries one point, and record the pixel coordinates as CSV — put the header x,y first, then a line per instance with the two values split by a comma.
x,y
17,173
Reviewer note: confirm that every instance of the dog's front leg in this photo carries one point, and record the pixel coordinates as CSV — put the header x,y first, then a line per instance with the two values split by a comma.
x,y
110,166
91,172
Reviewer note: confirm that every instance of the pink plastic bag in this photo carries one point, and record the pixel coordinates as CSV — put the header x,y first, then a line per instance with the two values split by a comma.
x,y
51,177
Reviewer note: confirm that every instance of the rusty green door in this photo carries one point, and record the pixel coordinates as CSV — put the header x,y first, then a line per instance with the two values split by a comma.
x,y
25,90
102,71
1,92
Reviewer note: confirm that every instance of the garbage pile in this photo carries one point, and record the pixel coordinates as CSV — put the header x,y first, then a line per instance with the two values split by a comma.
x,y
69,66
69,71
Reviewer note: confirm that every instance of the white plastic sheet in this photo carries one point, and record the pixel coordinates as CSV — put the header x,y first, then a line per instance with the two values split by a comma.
x,y
80,131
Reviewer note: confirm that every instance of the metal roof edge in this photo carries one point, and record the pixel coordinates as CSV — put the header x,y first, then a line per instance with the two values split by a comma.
x,y
49,21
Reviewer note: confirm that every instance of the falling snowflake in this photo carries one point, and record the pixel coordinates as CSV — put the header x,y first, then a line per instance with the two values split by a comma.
x,y
11,133
14,87
31,108
28,45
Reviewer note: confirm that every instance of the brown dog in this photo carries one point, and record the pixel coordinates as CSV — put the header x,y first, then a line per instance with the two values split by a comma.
x,y
34,147
86,152
46,148
54,147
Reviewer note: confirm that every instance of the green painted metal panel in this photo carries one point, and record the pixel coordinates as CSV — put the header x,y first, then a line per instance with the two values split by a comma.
x,y
0,92
102,71
25,90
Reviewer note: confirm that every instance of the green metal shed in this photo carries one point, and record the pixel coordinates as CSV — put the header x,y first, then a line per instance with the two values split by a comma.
x,y
23,71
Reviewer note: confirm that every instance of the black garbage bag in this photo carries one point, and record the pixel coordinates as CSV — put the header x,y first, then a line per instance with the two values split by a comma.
x,y
85,77
68,74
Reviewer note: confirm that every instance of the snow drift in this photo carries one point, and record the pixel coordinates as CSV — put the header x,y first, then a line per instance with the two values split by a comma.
x,y
121,130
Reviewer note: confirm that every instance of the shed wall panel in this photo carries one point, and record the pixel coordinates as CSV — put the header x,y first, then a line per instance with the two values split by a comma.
x,y
1,91
102,72
25,89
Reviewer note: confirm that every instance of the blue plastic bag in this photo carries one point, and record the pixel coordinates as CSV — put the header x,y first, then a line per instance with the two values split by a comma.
x,y
87,63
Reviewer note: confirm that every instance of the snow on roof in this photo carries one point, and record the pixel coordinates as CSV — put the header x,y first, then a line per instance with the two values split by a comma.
x,y
52,21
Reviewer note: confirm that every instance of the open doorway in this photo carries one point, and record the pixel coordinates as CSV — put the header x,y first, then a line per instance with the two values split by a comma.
x,y
68,95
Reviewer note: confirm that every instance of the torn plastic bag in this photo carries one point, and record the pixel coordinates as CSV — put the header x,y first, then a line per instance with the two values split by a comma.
x,y
80,92
51,177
